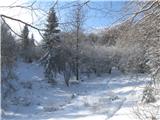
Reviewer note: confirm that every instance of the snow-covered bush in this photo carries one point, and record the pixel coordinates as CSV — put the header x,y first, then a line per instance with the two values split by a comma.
x,y
148,95
98,59
27,84
149,27
67,73
22,101
147,112
130,43
50,108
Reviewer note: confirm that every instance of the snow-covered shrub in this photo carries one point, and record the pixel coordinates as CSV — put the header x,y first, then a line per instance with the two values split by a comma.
x,y
148,95
67,74
50,108
74,95
22,101
98,59
149,27
27,85
132,60
113,98
66,61
109,36
74,82
146,112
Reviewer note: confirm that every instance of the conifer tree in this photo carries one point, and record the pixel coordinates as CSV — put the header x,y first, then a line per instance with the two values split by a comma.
x,y
25,44
8,53
50,46
32,47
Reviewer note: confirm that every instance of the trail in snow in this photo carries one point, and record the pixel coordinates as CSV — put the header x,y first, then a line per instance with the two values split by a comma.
x,y
105,97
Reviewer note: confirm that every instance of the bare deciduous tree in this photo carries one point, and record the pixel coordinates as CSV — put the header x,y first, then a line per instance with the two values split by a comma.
x,y
77,21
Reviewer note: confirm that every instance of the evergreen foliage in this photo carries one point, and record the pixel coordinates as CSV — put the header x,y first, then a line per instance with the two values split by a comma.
x,y
50,46
25,47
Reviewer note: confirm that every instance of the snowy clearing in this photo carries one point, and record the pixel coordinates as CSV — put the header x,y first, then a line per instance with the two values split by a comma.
x,y
106,97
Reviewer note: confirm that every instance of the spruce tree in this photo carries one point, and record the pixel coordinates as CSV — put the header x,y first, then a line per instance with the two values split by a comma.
x,y
25,44
50,46
32,47
8,53
32,44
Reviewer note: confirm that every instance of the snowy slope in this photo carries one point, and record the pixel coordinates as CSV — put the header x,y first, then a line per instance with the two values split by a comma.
x,y
96,98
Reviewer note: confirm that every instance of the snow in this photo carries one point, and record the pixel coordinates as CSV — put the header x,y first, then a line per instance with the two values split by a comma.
x,y
107,97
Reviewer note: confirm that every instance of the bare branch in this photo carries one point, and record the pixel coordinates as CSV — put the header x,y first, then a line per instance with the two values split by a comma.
x,y
18,20
10,28
30,7
143,10
38,29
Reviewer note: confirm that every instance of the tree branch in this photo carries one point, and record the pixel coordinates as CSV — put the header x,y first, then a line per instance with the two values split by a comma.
x,y
18,20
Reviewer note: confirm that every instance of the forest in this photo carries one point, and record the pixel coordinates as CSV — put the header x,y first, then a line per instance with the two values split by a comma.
x,y
80,60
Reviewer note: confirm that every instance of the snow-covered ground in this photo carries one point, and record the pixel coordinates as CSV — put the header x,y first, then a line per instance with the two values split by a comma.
x,y
109,97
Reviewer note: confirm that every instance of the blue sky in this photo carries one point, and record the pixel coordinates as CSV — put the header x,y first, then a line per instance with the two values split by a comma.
x,y
100,14
101,18
107,12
